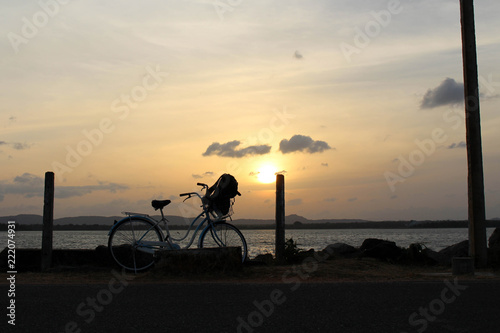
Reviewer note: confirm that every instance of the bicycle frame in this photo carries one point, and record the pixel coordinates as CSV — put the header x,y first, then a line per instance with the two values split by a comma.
x,y
134,241
151,246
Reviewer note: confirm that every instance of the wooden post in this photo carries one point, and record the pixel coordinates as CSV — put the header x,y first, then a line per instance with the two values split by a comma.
x,y
48,221
477,216
280,218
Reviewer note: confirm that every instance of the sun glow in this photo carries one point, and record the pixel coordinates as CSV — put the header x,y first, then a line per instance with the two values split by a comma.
x,y
267,174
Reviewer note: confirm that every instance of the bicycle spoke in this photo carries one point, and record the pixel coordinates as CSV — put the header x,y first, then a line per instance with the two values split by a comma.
x,y
223,235
124,243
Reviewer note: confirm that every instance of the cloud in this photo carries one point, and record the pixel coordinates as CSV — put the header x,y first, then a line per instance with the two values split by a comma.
x,y
298,55
16,145
206,174
449,92
352,199
302,143
29,186
330,199
229,149
324,164
294,202
78,191
454,145
28,178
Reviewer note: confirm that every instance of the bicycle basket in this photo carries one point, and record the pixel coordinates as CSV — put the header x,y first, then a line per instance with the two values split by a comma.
x,y
220,207
219,198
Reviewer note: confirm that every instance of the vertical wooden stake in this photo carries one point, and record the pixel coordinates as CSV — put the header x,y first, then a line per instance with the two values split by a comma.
x,y
477,216
48,221
280,218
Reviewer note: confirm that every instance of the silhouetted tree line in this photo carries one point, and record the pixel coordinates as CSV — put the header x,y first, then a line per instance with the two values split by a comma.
x,y
389,225
39,227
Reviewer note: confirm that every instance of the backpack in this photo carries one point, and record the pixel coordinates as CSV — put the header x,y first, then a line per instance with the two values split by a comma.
x,y
220,194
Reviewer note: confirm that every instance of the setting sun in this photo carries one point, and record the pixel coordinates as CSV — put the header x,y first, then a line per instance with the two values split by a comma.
x,y
267,174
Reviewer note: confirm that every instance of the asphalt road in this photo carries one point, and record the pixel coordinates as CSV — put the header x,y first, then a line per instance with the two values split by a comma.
x,y
120,306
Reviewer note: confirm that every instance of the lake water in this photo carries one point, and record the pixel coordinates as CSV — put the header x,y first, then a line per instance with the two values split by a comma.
x,y
262,241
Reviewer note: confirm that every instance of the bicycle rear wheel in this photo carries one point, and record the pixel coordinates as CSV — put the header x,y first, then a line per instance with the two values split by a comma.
x,y
124,243
222,234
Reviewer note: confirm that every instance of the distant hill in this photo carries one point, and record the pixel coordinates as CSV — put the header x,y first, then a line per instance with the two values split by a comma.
x,y
30,219
293,218
176,220
34,222
23,219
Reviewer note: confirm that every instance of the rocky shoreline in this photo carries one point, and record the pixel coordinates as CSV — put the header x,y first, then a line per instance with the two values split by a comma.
x,y
28,260
388,251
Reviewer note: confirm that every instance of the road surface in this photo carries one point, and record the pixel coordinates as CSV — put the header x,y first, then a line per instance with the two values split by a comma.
x,y
292,306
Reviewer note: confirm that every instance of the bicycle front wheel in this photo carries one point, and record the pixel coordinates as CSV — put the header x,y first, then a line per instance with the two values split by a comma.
x,y
126,243
222,234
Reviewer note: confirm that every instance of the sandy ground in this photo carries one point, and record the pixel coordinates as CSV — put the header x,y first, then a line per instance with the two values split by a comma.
x,y
338,270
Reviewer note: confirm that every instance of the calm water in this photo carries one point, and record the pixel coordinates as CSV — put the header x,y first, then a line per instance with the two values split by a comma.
x,y
262,241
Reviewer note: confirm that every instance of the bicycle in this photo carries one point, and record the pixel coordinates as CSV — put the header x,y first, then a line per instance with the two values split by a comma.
x,y
134,240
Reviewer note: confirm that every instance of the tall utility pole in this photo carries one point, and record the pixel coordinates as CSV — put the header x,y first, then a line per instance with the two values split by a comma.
x,y
48,221
280,218
477,216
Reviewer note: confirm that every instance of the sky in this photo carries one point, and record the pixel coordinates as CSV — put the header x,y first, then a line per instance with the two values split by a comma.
x,y
358,103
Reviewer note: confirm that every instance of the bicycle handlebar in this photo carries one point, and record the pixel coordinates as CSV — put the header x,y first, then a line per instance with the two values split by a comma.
x,y
189,194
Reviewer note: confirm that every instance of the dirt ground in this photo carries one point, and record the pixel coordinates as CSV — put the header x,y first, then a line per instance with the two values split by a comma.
x,y
338,270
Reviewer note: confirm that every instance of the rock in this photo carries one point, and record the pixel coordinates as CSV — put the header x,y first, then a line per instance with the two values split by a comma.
x,y
445,256
494,248
494,240
341,250
302,255
418,254
458,250
381,249
264,259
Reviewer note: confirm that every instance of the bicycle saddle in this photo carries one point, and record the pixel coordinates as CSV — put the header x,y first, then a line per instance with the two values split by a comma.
x,y
159,204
